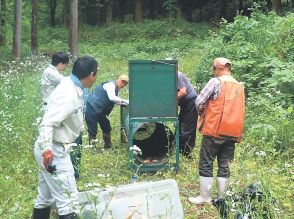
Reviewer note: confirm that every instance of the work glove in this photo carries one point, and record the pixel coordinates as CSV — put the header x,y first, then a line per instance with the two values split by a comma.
x,y
47,161
125,103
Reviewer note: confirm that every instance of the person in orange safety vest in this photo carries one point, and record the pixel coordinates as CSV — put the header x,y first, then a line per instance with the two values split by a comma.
x,y
221,106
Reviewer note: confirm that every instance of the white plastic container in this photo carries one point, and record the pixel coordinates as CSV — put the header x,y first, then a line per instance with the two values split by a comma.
x,y
147,200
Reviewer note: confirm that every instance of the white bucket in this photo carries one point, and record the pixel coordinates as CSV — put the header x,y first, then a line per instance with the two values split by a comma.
x,y
146,200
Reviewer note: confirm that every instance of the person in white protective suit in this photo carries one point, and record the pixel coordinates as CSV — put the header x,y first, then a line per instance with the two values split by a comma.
x,y
60,127
51,76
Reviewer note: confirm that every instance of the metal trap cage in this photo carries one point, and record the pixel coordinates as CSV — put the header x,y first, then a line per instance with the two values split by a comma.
x,y
151,120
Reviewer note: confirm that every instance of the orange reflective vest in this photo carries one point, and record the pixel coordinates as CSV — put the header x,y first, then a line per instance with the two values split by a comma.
x,y
224,116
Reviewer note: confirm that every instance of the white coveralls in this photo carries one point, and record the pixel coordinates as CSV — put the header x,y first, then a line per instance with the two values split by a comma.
x,y
50,79
60,127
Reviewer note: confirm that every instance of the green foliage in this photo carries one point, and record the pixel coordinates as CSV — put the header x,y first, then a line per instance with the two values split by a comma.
x,y
261,49
257,46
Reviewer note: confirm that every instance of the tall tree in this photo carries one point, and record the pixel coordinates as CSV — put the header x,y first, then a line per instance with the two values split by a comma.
x,y
276,5
73,28
109,5
3,8
65,13
34,26
52,5
16,48
138,11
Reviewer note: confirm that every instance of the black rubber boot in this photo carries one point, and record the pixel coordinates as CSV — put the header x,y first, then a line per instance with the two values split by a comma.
x,y
107,140
41,213
69,216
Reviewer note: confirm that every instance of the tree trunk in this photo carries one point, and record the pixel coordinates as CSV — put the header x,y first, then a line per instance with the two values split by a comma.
x,y
34,27
16,49
52,12
3,18
73,29
109,13
276,5
138,11
65,13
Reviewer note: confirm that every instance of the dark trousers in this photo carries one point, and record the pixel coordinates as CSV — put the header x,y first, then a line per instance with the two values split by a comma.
x,y
212,148
93,120
188,122
76,156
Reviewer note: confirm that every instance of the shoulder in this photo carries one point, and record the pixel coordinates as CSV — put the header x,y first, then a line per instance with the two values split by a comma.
x,y
214,81
181,75
109,85
66,86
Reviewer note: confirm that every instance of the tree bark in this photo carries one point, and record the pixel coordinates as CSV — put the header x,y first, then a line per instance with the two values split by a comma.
x,y
73,29
3,18
109,13
138,11
276,5
16,48
65,13
52,12
34,27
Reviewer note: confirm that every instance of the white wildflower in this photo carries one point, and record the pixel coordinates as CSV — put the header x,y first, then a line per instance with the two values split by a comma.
x,y
136,150
260,153
7,177
287,165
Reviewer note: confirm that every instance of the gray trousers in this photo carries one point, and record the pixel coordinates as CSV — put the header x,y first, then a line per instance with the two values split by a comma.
x,y
212,148
59,188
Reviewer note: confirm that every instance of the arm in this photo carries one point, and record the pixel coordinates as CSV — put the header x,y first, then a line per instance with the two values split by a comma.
x,y
110,89
205,94
59,108
182,92
54,76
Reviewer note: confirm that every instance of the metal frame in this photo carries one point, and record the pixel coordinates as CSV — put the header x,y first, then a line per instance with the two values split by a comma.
x,y
147,167
162,118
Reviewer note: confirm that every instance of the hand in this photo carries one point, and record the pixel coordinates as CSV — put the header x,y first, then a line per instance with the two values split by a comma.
x,y
182,92
124,103
47,161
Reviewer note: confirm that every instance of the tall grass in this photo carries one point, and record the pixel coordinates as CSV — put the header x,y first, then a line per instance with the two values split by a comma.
x,y
195,45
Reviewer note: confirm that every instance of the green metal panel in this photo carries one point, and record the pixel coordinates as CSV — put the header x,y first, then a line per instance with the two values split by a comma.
x,y
153,88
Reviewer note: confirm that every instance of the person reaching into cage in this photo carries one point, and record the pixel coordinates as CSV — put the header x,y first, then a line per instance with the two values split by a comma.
x,y
100,103
188,115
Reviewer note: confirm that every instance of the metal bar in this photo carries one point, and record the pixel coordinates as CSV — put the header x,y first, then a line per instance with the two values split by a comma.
x,y
154,119
177,145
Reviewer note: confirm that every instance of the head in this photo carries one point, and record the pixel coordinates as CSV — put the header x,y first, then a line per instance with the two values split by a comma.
x,y
60,61
222,66
85,69
122,81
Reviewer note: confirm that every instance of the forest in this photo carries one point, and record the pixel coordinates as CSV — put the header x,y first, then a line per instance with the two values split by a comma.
x,y
256,35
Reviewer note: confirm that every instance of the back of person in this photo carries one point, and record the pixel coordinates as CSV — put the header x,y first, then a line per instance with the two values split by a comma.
x,y
191,93
51,76
98,100
224,116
